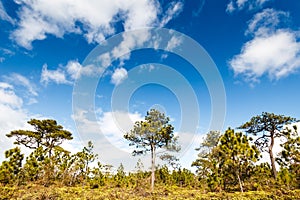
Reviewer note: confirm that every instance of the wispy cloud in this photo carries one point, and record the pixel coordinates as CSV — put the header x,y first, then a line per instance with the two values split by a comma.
x,y
173,43
4,15
174,10
236,5
273,50
5,53
21,80
30,93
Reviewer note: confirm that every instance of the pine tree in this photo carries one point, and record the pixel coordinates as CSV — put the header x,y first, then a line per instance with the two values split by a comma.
x,y
152,134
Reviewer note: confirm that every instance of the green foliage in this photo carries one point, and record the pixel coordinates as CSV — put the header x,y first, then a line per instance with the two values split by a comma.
x,y
261,177
238,157
10,170
33,164
154,132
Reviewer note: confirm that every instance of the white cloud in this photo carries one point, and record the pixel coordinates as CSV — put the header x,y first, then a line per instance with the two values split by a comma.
x,y
8,96
115,124
105,60
7,52
69,73
13,115
4,15
273,52
147,67
130,41
18,79
266,22
173,43
30,92
174,9
119,75
57,76
107,132
60,17
230,7
234,5
73,69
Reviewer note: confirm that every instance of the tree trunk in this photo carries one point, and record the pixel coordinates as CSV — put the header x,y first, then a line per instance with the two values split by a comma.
x,y
272,156
240,183
152,167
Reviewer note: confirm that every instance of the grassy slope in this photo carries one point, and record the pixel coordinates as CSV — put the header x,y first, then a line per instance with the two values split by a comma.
x,y
56,192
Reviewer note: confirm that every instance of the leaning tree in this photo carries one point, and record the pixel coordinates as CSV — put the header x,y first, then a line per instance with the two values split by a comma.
x,y
267,127
155,132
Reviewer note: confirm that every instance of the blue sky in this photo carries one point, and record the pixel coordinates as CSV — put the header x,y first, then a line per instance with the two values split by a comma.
x,y
45,62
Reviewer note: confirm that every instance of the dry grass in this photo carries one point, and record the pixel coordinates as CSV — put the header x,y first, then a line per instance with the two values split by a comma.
x,y
37,192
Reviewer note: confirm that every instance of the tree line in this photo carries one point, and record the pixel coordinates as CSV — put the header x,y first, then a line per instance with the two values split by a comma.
x,y
229,161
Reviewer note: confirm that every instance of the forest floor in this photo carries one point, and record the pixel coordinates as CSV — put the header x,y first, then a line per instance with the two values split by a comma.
x,y
38,192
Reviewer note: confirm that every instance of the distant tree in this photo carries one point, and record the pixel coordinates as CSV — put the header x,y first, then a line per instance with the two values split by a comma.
x,y
267,127
98,175
290,158
47,133
149,135
83,160
171,160
139,167
205,158
290,155
183,177
120,176
64,165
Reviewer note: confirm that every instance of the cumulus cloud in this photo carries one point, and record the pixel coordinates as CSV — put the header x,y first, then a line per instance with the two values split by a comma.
x,y
73,69
235,5
272,51
115,124
69,73
8,96
57,76
107,132
39,19
14,117
119,75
